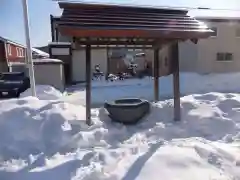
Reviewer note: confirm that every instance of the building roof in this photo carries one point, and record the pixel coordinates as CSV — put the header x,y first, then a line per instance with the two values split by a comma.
x,y
107,20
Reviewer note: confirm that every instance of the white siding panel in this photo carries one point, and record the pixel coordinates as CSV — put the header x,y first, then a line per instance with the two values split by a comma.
x,y
78,65
99,56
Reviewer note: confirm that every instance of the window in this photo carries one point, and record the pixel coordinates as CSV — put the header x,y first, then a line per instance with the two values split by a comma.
x,y
224,56
214,29
19,52
228,56
220,56
238,32
9,49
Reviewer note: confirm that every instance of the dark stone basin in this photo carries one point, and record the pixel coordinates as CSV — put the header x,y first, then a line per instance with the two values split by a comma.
x,y
127,111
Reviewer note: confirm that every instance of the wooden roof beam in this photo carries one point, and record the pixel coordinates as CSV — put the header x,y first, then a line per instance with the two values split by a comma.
x,y
118,20
133,15
127,26
102,16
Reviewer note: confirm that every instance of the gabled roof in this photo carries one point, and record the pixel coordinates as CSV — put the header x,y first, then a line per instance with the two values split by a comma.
x,y
106,20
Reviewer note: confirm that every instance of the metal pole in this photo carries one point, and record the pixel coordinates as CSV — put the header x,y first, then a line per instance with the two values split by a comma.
x,y
29,48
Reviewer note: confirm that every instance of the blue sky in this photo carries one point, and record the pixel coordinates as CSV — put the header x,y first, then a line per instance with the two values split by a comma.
x,y
11,16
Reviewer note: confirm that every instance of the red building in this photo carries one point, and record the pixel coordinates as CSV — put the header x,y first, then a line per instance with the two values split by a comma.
x,y
14,52
11,52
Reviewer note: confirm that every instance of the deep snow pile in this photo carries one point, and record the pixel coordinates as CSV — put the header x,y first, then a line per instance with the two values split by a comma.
x,y
43,139
190,83
44,92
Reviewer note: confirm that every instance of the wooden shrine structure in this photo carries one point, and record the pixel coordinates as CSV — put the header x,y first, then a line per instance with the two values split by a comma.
x,y
107,25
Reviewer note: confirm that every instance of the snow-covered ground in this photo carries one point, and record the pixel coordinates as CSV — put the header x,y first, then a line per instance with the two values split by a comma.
x,y
43,139
190,83
47,138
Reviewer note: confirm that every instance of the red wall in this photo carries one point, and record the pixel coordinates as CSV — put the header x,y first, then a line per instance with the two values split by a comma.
x,y
15,53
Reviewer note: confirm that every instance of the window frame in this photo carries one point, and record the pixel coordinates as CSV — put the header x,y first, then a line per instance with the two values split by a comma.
x,y
9,49
19,52
224,57
230,55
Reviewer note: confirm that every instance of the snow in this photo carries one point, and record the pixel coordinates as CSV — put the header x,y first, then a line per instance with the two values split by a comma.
x,y
44,92
47,60
39,52
48,139
190,83
59,43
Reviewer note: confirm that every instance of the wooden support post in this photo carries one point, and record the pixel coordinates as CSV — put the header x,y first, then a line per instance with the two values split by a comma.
x,y
52,28
108,64
156,74
88,85
176,83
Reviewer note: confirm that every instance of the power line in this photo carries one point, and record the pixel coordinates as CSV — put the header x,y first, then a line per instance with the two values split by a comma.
x,y
143,5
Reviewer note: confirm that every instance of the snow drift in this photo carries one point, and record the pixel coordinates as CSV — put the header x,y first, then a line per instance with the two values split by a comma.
x,y
42,139
44,92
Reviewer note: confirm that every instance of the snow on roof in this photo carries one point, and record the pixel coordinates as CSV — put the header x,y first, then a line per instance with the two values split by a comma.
x,y
38,60
39,52
60,43
46,60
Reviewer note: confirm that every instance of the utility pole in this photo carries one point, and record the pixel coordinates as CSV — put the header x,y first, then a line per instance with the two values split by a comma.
x,y
29,48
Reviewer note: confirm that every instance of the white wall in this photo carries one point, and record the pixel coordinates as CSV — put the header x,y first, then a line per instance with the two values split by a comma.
x,y
226,41
202,58
98,56
54,75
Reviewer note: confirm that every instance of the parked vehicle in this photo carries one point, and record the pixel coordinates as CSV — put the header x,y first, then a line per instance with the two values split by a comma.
x,y
12,84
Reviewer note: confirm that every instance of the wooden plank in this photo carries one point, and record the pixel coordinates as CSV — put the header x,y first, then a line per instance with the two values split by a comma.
x,y
131,14
160,18
156,74
131,25
176,84
115,15
137,22
130,43
88,85
132,32
112,47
